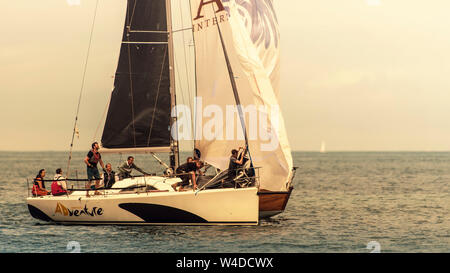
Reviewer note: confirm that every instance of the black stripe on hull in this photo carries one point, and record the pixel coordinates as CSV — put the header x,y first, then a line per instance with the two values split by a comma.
x,y
38,214
152,213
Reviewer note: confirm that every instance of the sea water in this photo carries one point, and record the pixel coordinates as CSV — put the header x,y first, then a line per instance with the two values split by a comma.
x,y
342,202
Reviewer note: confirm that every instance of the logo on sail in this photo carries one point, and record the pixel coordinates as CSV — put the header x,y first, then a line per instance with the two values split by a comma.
x,y
201,22
260,19
61,209
203,3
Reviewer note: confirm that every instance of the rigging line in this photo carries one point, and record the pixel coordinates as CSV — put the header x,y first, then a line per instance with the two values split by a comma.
x,y
157,95
174,143
195,80
179,85
102,118
128,28
186,64
182,29
234,87
82,86
131,94
132,16
128,15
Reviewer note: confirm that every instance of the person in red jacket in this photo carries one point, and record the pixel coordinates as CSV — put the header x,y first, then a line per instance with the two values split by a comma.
x,y
38,184
59,186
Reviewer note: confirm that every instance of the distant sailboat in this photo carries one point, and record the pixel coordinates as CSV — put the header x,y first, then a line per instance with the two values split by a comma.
x,y
322,147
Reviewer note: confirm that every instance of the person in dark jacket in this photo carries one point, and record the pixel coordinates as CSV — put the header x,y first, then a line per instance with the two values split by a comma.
x,y
187,172
235,163
38,184
92,158
109,177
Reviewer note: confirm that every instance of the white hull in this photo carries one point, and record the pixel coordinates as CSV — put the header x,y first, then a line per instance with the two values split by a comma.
x,y
207,207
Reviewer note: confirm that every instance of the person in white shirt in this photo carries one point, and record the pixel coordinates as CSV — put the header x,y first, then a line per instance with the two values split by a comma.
x,y
59,185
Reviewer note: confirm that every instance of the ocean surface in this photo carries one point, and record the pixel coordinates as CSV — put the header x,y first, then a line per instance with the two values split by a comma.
x,y
341,202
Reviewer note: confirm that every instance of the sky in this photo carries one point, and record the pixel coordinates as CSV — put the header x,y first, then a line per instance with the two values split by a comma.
x,y
359,75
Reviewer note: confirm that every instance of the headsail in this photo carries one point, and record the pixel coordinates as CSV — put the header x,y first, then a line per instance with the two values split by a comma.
x,y
250,30
140,106
260,21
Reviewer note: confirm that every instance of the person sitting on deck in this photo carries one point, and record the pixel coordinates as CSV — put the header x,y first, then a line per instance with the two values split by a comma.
x,y
109,177
38,184
59,186
126,168
187,172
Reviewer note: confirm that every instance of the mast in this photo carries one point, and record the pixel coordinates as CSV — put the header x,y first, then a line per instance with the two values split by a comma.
x,y
174,157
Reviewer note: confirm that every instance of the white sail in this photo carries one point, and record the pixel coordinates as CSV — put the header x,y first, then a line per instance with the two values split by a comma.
x,y
259,20
268,144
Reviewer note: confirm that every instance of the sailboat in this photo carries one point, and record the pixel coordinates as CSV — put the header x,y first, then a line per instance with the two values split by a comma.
x,y
237,68
322,148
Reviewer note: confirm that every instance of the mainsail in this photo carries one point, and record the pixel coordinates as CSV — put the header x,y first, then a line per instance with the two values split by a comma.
x,y
140,106
249,30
